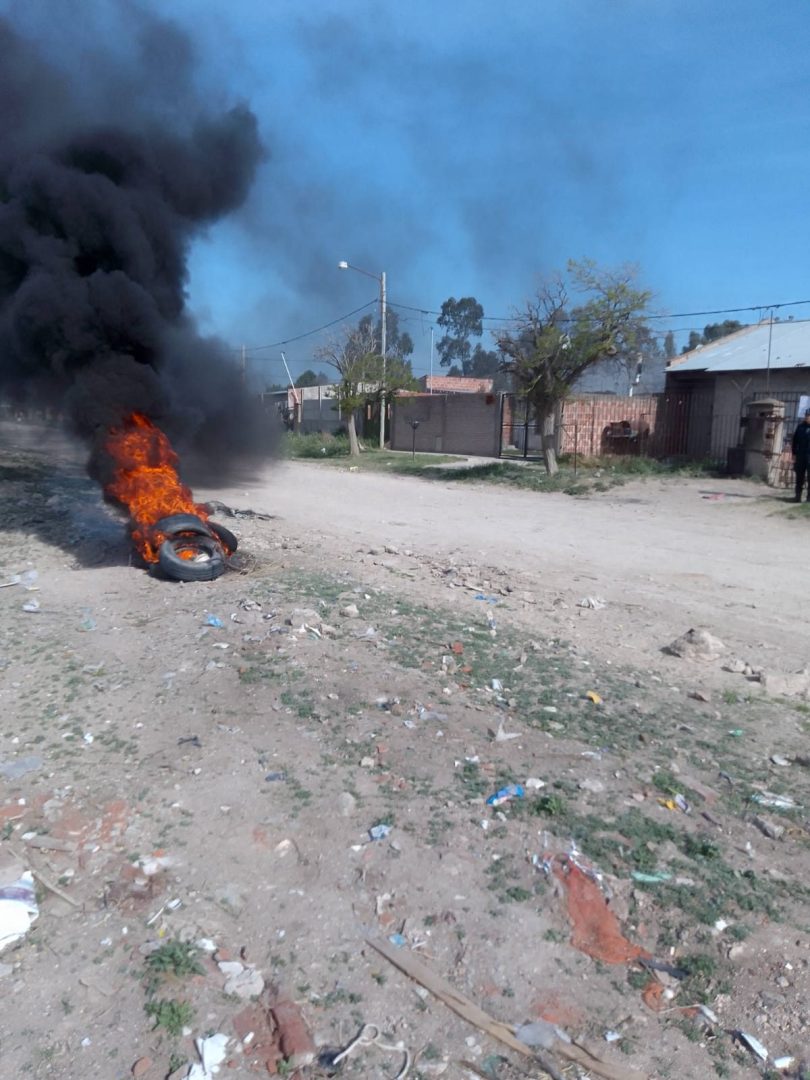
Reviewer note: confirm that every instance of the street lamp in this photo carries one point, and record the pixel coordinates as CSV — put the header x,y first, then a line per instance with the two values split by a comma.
x,y
414,424
343,265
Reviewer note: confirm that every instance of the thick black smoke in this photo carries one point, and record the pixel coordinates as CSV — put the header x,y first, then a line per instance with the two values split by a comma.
x,y
102,189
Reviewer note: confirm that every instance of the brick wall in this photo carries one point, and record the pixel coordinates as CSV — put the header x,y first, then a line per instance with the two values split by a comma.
x,y
607,424
451,384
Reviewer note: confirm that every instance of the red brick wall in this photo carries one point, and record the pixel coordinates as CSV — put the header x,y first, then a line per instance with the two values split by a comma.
x,y
450,384
584,420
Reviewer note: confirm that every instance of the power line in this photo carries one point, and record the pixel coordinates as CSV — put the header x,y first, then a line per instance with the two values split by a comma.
x,y
511,318
309,333
676,315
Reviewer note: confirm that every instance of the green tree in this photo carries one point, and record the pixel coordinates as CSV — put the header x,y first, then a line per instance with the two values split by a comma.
x,y
483,364
695,339
669,344
712,332
461,319
397,342
551,343
307,378
715,331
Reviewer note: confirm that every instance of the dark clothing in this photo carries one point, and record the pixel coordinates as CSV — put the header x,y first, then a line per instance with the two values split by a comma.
x,y
801,456
801,443
801,473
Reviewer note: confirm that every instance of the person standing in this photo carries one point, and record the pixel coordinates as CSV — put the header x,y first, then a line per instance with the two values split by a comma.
x,y
801,455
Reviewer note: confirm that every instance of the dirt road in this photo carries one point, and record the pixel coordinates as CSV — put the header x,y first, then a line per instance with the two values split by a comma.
x,y
224,789
667,555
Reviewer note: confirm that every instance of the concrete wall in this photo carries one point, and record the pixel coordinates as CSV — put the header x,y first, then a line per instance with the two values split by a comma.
x,y
448,424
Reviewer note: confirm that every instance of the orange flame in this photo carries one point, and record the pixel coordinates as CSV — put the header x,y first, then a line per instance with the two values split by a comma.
x,y
145,481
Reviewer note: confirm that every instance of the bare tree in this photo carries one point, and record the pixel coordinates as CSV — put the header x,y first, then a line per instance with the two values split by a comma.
x,y
352,353
550,343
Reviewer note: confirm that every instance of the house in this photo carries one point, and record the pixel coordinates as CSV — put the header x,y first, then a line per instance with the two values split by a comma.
x,y
306,408
609,376
714,384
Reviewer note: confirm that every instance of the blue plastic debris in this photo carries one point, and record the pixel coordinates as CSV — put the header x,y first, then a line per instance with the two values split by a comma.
x,y
214,620
398,940
511,791
379,832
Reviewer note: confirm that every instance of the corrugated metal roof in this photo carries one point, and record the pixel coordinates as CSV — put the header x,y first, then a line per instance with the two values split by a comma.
x,y
747,350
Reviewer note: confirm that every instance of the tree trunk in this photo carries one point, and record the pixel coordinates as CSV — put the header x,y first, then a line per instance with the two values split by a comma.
x,y
354,445
549,452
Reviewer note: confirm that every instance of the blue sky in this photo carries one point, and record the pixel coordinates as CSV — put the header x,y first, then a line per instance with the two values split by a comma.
x,y
473,148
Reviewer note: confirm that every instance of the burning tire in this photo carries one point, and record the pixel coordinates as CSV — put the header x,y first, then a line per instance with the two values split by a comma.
x,y
182,523
193,557
225,537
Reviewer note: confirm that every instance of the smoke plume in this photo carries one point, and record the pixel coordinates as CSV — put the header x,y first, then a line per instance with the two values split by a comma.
x,y
105,180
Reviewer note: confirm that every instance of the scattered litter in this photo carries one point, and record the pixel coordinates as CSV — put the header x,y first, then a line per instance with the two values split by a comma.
x,y
511,791
212,1050
777,802
596,603
612,1036
784,1063
486,599
541,1033
710,1015
595,925
677,802
220,645
379,832
652,878
592,695
770,829
497,685
245,983
699,695
432,714
464,1007
31,606
398,940
503,736
190,740
370,1035
736,733
18,909
214,506
274,777
215,621
595,787
534,783
754,1045
780,759
13,770
26,580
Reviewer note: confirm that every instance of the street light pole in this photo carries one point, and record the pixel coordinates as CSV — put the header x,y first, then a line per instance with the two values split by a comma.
x,y
383,310
343,265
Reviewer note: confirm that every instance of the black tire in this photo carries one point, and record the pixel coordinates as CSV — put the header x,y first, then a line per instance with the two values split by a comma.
x,y
173,565
182,523
225,537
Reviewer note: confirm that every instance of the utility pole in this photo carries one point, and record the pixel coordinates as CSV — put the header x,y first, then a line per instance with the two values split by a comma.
x,y
244,363
383,312
431,360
